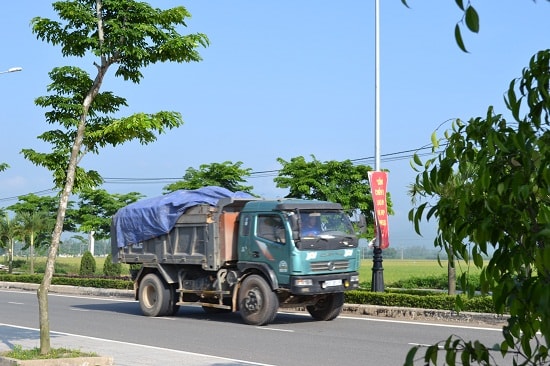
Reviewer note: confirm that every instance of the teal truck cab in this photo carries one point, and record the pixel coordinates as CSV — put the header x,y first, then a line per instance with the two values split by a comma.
x,y
238,253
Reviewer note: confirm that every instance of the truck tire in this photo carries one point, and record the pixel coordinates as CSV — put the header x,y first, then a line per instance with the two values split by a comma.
x,y
258,304
327,308
154,296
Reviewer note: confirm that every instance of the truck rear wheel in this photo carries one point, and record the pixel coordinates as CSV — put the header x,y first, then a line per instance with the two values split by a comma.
x,y
327,308
258,304
154,296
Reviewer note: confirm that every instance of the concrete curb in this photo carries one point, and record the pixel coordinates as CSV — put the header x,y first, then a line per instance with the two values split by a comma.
x,y
74,361
419,314
70,290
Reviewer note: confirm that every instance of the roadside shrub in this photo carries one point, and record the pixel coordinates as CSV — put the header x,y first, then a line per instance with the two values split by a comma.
x,y
111,269
134,270
426,282
87,264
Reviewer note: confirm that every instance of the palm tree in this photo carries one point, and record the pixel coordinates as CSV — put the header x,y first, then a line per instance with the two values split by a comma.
x,y
30,224
9,230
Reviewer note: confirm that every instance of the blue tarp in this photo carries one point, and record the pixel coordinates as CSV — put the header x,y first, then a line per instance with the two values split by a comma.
x,y
152,217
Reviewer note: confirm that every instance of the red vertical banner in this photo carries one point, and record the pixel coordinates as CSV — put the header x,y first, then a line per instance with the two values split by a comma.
x,y
378,186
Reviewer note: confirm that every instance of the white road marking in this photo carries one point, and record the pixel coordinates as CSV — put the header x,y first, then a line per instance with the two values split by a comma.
x,y
276,329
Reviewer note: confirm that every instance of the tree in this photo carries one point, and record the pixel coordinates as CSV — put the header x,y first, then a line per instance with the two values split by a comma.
x,y
31,204
127,35
506,207
334,181
9,231
448,189
96,207
29,225
227,175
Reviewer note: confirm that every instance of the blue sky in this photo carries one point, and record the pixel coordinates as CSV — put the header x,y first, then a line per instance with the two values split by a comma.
x,y
284,79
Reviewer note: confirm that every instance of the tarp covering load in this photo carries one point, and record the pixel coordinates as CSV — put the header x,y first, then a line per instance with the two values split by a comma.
x,y
152,217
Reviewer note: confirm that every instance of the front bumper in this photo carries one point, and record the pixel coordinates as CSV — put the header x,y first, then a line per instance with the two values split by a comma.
x,y
324,284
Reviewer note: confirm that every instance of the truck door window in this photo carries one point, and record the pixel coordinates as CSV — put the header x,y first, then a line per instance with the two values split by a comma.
x,y
271,227
245,226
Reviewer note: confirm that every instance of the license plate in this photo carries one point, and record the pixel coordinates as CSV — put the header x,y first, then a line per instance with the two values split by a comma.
x,y
331,283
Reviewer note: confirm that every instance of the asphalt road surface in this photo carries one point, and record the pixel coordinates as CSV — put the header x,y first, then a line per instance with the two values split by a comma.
x,y
116,326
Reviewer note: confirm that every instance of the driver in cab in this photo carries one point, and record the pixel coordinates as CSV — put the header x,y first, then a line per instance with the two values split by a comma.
x,y
311,224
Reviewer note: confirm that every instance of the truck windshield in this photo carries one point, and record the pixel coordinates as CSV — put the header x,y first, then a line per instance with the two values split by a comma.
x,y
325,229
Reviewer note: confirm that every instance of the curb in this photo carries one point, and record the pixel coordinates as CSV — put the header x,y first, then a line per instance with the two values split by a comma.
x,y
70,290
73,361
419,314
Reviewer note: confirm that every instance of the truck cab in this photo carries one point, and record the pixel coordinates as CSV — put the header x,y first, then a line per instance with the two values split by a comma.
x,y
307,251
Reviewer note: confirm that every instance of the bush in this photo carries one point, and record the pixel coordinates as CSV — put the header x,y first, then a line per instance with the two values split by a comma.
x,y
87,264
111,269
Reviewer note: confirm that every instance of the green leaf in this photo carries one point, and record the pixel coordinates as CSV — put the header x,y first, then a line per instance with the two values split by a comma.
x,y
435,141
472,19
417,160
409,361
458,38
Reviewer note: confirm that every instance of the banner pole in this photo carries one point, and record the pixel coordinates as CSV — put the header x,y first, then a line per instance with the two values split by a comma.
x,y
377,284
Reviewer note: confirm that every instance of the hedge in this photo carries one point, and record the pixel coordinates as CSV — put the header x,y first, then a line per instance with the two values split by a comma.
x,y
422,299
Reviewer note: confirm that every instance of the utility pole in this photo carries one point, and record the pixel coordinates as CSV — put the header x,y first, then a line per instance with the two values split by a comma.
x,y
377,284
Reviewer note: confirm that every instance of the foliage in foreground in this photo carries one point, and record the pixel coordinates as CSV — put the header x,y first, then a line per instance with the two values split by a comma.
x,y
502,207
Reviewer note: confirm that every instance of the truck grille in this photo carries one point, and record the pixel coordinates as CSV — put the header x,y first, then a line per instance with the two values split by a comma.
x,y
329,266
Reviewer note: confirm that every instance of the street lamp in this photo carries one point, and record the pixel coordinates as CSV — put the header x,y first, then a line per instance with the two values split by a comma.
x,y
12,69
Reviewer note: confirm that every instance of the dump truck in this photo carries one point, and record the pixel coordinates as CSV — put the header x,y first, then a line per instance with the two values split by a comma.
x,y
229,252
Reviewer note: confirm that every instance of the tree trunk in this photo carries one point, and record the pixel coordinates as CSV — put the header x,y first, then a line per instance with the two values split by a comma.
x,y
10,258
64,197
451,273
56,238
32,254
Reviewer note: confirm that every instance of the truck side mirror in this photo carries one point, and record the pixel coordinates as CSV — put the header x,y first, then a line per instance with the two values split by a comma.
x,y
294,226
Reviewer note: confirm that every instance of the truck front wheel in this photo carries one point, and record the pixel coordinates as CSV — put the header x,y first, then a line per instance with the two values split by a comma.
x,y
258,304
154,296
327,308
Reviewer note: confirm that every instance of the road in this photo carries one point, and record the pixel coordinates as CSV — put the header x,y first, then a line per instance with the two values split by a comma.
x,y
293,339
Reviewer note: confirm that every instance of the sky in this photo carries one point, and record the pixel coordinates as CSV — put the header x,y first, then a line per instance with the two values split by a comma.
x,y
283,79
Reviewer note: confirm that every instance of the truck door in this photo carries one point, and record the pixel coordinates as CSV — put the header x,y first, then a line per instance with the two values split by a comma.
x,y
268,244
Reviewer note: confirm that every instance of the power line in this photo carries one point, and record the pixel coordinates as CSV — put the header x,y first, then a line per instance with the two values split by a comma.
x,y
395,156
43,192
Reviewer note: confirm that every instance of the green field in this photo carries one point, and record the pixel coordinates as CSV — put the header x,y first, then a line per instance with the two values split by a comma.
x,y
398,269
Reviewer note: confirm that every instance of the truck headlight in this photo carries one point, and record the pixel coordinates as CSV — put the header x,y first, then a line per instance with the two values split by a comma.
x,y
354,279
303,282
